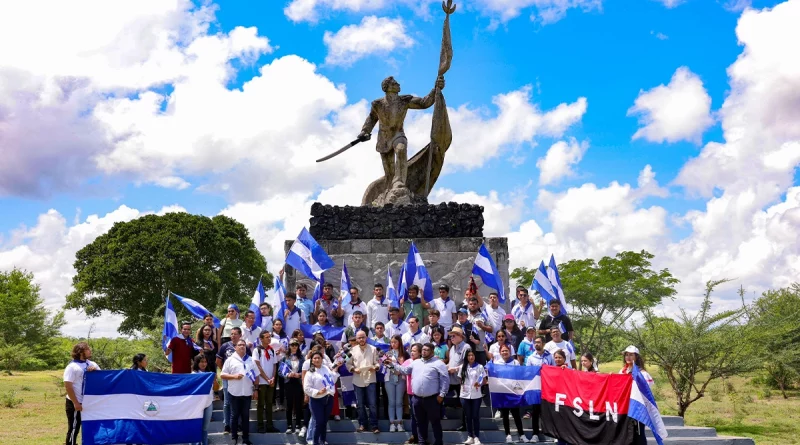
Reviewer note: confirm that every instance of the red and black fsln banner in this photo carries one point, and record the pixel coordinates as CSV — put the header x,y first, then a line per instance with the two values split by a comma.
x,y
585,407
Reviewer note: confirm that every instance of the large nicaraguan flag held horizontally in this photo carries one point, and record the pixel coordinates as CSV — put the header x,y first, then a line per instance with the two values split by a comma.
x,y
307,256
514,386
144,407
586,407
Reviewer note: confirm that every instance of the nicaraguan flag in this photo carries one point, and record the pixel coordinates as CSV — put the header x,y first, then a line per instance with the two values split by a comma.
x,y
344,286
284,369
279,300
514,386
144,407
348,392
555,282
255,304
382,346
542,284
307,256
394,300
317,291
171,328
196,309
416,273
402,292
486,268
643,406
331,333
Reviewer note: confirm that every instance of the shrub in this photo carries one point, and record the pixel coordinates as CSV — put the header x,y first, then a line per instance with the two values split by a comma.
x,y
9,399
32,364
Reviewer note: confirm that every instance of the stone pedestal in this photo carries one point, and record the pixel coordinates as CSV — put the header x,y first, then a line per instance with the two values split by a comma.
x,y
449,261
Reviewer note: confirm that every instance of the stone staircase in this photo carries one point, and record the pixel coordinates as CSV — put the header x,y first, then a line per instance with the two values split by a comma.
x,y
344,431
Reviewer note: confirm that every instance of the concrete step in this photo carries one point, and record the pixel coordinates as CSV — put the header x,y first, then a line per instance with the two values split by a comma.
x,y
672,420
451,413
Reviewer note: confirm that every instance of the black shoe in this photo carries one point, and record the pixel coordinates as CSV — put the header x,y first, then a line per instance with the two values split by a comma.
x,y
412,440
272,429
462,428
261,430
247,442
227,429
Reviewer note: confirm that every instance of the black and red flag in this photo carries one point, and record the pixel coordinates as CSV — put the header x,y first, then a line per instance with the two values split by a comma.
x,y
586,407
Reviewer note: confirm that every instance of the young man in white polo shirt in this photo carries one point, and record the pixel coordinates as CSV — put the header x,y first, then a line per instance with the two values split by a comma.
x,y
236,371
378,307
446,307
74,375
292,316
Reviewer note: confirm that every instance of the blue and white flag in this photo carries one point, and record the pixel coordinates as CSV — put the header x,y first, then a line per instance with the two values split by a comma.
x,y
250,371
284,369
330,333
144,407
394,300
486,268
402,291
348,391
344,286
255,304
381,346
317,290
514,386
541,283
417,273
555,282
279,300
307,256
171,328
643,406
196,309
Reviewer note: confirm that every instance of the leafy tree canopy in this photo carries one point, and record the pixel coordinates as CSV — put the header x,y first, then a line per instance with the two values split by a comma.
x,y
26,319
129,270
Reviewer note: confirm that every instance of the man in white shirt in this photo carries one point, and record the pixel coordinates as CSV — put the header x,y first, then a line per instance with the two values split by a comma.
x,y
525,312
292,316
476,318
396,325
74,375
446,307
364,364
494,313
238,371
414,334
251,332
559,343
378,307
266,361
355,304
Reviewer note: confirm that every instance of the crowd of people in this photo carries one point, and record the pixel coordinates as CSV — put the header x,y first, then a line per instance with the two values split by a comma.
x,y
410,361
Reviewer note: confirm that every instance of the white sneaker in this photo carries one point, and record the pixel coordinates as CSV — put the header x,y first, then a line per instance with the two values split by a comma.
x,y
302,432
329,428
523,439
290,431
497,414
400,428
468,441
336,417
509,439
392,428
476,441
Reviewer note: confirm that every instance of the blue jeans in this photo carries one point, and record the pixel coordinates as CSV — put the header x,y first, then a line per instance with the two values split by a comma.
x,y
320,411
240,419
226,405
206,421
472,411
312,425
365,397
394,392
413,417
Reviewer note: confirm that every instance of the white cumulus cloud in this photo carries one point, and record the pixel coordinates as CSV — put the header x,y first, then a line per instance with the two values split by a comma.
x,y
678,111
374,35
560,159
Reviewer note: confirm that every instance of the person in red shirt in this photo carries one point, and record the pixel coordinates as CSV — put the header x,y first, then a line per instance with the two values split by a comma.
x,y
183,350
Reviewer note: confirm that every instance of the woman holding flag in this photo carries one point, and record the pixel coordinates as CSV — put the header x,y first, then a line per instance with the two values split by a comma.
x,y
473,376
319,384
395,384
506,358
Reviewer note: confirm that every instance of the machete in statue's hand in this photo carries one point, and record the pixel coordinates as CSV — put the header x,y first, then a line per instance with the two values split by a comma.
x,y
361,138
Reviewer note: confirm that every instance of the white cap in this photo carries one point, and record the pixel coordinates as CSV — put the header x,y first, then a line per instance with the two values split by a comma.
x,y
632,348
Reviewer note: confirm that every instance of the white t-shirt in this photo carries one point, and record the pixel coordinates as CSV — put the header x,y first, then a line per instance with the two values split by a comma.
x,y
377,311
498,360
349,308
495,317
307,363
646,375
251,336
74,372
267,362
564,345
495,350
293,321
409,338
446,310
475,374
237,365
525,316
396,329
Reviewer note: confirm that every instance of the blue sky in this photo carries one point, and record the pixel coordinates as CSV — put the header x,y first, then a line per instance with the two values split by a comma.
x,y
185,109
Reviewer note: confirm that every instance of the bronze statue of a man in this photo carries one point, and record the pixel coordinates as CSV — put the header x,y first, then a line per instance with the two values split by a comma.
x,y
391,111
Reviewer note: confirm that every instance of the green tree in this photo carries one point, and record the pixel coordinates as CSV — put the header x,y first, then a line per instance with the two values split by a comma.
x,y
129,270
28,325
603,295
776,312
693,351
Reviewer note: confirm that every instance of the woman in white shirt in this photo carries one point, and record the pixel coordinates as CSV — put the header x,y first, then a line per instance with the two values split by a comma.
x,y
319,385
631,356
473,376
494,350
506,358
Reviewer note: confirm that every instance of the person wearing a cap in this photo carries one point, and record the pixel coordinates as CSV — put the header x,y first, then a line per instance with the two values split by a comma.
x,y
229,322
292,371
630,357
513,332
554,317
559,343
446,307
463,323
396,325
455,360
292,315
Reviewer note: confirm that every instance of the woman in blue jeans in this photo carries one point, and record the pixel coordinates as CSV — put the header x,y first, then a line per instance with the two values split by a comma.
x,y
200,364
395,384
473,376
319,385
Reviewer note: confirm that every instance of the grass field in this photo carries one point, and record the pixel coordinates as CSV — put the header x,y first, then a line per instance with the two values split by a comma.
x,y
737,408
